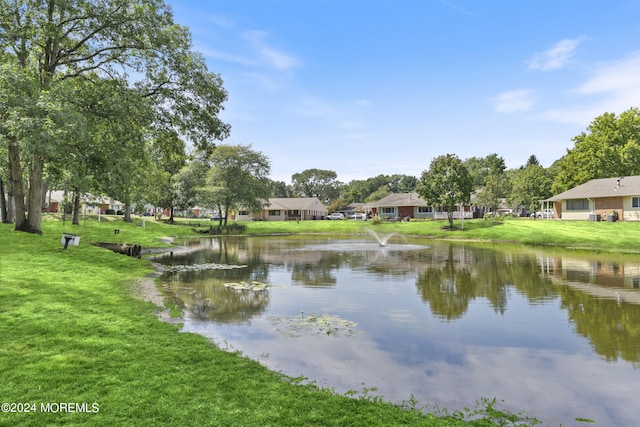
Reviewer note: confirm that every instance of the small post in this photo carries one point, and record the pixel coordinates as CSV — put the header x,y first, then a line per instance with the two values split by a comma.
x,y
67,239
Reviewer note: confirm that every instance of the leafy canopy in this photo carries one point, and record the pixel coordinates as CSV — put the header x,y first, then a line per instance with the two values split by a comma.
x,y
446,183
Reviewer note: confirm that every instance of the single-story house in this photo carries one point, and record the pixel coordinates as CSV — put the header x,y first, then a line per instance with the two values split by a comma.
x,y
92,204
353,208
597,199
286,208
408,205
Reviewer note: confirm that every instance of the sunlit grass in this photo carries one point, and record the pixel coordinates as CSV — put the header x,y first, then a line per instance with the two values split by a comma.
x,y
599,236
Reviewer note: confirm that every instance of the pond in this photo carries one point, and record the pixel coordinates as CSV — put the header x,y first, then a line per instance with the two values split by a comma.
x,y
554,334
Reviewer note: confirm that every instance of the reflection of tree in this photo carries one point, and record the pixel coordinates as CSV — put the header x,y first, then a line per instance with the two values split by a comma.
x,y
460,274
222,304
447,289
319,274
450,277
321,270
613,329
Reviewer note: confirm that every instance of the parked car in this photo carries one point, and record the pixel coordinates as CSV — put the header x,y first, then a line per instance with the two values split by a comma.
x,y
545,213
361,216
216,217
335,215
505,212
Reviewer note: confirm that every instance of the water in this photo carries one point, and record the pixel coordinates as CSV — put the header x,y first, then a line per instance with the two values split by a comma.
x,y
554,334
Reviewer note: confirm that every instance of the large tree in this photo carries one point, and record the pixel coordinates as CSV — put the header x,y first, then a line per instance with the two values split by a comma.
x,y
318,183
239,177
446,184
53,42
495,184
168,157
530,185
188,184
609,148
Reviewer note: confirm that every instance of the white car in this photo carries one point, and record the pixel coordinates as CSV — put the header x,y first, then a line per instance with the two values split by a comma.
x,y
358,216
545,213
505,212
335,215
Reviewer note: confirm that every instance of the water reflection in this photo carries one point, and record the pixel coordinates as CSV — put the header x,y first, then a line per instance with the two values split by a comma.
x,y
555,333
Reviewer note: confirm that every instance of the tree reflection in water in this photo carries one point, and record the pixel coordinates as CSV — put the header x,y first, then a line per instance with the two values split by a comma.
x,y
449,277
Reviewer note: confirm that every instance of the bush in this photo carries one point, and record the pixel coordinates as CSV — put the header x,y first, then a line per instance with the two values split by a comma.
x,y
376,220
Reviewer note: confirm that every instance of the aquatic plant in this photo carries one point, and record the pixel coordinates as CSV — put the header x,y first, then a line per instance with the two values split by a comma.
x,y
314,324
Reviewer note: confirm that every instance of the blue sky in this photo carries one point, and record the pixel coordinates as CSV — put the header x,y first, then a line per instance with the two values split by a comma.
x,y
369,87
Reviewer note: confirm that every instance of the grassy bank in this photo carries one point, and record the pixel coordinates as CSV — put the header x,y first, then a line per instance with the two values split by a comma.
x,y
74,337
596,236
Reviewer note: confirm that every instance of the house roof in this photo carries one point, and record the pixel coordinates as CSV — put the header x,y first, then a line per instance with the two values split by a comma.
x,y
58,196
400,199
294,203
604,187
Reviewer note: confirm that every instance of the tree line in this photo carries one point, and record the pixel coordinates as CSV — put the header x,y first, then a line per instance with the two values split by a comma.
x,y
108,97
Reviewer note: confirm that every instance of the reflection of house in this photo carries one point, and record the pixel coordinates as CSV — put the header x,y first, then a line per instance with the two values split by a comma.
x,y
408,205
604,273
598,198
282,209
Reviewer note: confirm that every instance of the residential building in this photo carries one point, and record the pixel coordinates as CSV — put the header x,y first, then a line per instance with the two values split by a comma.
x,y
598,199
283,209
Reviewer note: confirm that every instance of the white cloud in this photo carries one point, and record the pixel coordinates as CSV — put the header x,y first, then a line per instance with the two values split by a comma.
x,y
513,101
272,56
555,58
617,78
613,88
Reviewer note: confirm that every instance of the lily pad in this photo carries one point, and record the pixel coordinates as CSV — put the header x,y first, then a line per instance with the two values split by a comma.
x,y
200,267
314,324
249,286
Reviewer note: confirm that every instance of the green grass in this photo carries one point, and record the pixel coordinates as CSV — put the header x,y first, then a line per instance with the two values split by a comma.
x,y
71,331
596,236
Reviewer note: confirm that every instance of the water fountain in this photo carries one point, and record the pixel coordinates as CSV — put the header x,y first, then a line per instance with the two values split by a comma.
x,y
382,241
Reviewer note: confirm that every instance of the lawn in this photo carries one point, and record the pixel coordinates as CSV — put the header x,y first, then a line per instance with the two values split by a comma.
x,y
596,236
73,336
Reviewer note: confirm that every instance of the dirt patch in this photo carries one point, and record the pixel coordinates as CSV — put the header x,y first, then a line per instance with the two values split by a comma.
x,y
147,290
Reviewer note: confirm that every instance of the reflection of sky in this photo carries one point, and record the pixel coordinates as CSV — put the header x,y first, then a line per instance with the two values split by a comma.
x,y
528,356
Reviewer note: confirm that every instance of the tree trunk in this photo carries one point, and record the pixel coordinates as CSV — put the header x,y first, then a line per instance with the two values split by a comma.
x,y
450,218
171,215
3,203
76,206
127,213
34,200
45,189
16,187
226,210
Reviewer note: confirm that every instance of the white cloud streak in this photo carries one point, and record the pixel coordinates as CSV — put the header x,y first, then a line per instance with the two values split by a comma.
x,y
513,101
613,88
269,54
557,57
